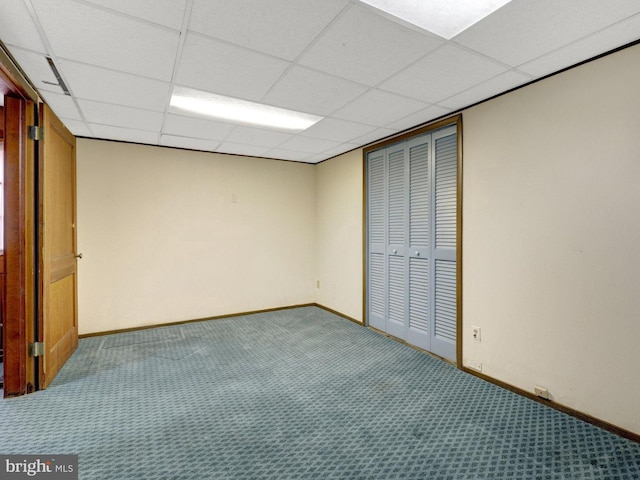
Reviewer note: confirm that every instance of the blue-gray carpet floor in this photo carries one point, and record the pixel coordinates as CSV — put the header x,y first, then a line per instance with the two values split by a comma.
x,y
295,394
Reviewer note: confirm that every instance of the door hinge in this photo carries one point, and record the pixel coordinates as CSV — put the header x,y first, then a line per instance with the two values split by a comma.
x,y
36,349
35,132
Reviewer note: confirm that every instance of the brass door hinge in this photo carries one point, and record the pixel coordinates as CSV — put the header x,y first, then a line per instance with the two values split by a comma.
x,y
36,349
35,132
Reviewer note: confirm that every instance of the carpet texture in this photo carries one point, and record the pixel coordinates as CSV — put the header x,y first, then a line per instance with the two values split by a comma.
x,y
295,394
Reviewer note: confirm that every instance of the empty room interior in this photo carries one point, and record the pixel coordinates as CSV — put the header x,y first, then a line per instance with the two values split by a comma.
x,y
277,185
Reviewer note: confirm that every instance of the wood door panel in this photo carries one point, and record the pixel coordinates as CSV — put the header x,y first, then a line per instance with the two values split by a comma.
x,y
59,336
19,247
59,317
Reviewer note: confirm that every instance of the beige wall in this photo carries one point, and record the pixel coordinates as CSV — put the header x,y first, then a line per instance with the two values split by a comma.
x,y
339,233
163,241
551,237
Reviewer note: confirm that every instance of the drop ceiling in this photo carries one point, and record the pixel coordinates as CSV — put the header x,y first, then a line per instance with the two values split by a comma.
x,y
368,74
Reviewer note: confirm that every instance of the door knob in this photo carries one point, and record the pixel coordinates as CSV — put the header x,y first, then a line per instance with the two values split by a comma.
x,y
78,255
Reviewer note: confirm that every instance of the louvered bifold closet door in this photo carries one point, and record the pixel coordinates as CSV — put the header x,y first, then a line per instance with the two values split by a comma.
x,y
377,239
418,331
411,234
444,271
397,227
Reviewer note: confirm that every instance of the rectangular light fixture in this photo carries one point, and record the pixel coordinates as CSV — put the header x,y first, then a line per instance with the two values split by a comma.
x,y
234,110
446,18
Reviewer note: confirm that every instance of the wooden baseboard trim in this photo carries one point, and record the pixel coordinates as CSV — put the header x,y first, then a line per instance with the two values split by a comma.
x,y
335,312
183,322
634,437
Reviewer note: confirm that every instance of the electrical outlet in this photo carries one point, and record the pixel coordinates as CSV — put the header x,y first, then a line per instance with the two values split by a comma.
x,y
476,333
541,392
473,364
317,283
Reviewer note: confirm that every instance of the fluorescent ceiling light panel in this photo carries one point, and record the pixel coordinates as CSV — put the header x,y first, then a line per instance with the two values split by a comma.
x,y
446,18
235,110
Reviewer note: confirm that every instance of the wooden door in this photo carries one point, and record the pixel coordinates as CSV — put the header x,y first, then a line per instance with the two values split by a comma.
x,y
19,247
58,279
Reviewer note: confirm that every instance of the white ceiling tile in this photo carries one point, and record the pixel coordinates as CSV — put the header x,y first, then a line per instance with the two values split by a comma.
x,y
17,27
337,130
109,114
612,37
485,90
39,71
62,105
241,149
367,48
422,116
168,13
257,137
358,68
77,127
345,147
93,83
283,28
521,31
313,92
189,143
109,132
308,144
318,158
441,74
196,127
379,108
282,154
91,35
218,67
374,136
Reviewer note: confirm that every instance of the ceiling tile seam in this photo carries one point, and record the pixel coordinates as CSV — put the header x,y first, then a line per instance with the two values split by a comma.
x,y
124,15
267,148
47,45
186,18
296,60
303,154
169,136
424,121
196,137
141,129
235,45
591,56
444,100
407,67
13,46
102,124
427,104
477,53
433,52
122,72
278,146
315,70
101,102
193,138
